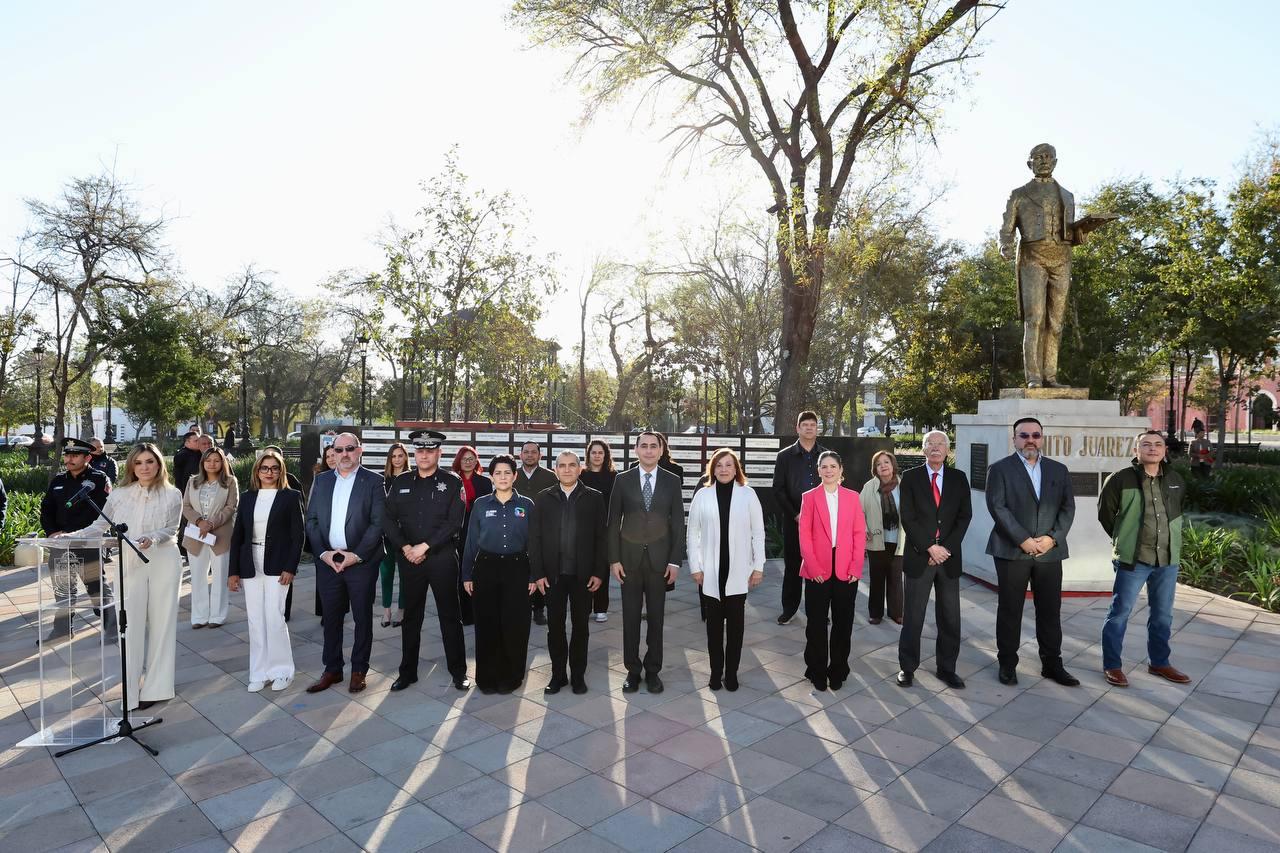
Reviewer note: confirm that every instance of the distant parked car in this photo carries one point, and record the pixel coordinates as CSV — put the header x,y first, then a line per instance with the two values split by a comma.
x,y
294,436
869,432
901,429
14,442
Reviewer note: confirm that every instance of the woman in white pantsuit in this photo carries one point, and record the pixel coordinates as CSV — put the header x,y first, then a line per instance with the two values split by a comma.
x,y
266,542
210,504
152,509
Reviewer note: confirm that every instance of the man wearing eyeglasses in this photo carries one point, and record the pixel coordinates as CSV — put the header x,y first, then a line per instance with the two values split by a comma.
x,y
1032,506
344,527
1141,509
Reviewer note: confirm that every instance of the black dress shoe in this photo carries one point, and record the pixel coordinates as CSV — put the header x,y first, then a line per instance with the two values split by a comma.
x,y
904,679
836,685
632,684
579,687
654,684
786,617
950,679
715,683
1008,675
819,686
401,683
145,704
396,623
555,685
462,683
731,683
540,616
1059,674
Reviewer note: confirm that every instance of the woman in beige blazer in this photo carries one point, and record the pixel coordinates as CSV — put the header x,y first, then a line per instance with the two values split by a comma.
x,y
210,503
885,538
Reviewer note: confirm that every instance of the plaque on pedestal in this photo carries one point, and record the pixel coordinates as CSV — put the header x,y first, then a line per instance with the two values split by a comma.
x,y
1091,437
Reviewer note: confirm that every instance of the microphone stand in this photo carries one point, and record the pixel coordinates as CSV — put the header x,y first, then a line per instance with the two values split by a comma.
x,y
125,728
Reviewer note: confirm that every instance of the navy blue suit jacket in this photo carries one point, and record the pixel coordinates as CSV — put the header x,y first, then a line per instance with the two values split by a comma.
x,y
364,515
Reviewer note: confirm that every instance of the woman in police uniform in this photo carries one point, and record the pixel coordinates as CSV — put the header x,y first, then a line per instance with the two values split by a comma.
x,y
495,573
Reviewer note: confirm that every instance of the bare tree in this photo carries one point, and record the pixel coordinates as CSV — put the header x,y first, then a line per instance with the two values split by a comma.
x,y
91,247
805,90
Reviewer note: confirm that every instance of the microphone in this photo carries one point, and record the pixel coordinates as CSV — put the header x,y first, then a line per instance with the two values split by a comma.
x,y
85,489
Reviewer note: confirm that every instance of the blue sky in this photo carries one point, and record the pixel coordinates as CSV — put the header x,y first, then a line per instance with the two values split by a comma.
x,y
286,133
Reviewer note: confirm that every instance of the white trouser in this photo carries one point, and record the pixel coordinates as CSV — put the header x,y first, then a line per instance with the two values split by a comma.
x,y
270,654
208,586
151,602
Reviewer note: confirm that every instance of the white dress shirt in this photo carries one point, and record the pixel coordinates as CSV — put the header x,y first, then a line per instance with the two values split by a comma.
x,y
833,507
342,487
1033,471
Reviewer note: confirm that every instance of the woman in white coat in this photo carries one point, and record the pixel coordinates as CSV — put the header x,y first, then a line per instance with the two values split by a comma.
x,y
726,556
151,506
210,504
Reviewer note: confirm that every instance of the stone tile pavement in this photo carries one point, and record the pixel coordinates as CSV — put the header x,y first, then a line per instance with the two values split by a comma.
x,y
772,767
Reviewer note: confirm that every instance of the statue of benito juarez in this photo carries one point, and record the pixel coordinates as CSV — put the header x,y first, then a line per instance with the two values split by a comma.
x,y
1043,211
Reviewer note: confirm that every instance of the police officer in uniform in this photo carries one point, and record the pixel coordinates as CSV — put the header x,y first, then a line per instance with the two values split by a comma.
x,y
57,517
423,518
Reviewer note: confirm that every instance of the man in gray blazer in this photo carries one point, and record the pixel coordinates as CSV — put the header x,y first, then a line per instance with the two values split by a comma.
x,y
646,545
344,528
1032,505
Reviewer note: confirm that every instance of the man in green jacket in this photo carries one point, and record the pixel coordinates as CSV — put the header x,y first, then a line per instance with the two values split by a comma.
x,y
1141,509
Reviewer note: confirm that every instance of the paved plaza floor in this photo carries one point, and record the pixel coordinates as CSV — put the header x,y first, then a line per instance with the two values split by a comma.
x,y
773,766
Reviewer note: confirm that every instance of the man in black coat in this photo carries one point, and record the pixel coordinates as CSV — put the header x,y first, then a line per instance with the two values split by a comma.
x,y
646,546
567,562
935,513
1032,506
795,471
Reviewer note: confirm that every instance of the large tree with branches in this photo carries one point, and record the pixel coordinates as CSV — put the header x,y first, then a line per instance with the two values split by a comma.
x,y
807,89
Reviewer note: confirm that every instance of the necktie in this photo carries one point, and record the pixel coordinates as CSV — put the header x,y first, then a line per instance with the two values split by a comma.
x,y
647,492
937,500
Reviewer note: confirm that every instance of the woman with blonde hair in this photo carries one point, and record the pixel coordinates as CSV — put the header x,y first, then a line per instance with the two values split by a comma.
x,y
151,506
210,504
265,547
726,558
397,464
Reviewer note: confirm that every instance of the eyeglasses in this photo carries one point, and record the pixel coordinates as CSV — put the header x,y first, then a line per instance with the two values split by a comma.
x,y
1026,435
350,448
269,469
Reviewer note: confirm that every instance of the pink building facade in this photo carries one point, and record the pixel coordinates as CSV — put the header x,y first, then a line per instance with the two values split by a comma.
x,y
1238,416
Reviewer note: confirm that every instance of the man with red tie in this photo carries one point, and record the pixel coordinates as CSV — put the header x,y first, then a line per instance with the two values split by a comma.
x,y
935,512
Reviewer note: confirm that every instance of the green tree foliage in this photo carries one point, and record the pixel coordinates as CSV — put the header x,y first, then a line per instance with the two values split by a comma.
x,y
463,267
166,375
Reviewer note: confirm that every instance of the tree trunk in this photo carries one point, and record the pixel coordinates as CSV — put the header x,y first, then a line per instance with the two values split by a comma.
x,y
1225,379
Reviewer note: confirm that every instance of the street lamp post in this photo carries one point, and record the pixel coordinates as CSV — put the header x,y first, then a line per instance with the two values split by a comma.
x,y
363,341
109,433
242,343
719,363
38,350
553,360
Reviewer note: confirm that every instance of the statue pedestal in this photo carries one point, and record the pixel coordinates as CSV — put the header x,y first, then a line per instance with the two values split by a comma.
x,y
1091,437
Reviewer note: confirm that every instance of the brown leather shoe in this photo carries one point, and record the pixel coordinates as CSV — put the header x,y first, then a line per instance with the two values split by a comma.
x,y
1116,677
327,680
357,682
1170,674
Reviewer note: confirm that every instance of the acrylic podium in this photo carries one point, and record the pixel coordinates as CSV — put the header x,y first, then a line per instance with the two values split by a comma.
x,y
79,662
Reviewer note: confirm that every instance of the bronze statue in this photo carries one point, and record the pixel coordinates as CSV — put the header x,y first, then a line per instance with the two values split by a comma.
x,y
1043,211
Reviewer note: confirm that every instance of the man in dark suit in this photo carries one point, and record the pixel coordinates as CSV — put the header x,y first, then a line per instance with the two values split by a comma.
x,y
567,560
646,545
1032,505
344,527
531,479
935,514
795,471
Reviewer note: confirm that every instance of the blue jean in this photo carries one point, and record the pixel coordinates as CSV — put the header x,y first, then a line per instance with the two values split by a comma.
x,y
1161,581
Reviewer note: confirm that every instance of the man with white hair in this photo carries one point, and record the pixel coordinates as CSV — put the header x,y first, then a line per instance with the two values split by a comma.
x,y
935,514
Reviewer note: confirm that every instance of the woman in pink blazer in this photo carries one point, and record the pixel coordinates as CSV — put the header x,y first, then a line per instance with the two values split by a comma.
x,y
833,542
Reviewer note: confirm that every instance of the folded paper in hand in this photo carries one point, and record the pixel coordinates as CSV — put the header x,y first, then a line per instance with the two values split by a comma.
x,y
191,531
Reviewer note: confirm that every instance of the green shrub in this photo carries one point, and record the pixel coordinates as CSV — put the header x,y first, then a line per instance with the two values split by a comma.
x,y
772,537
24,479
23,517
1251,456
1238,489
1208,553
